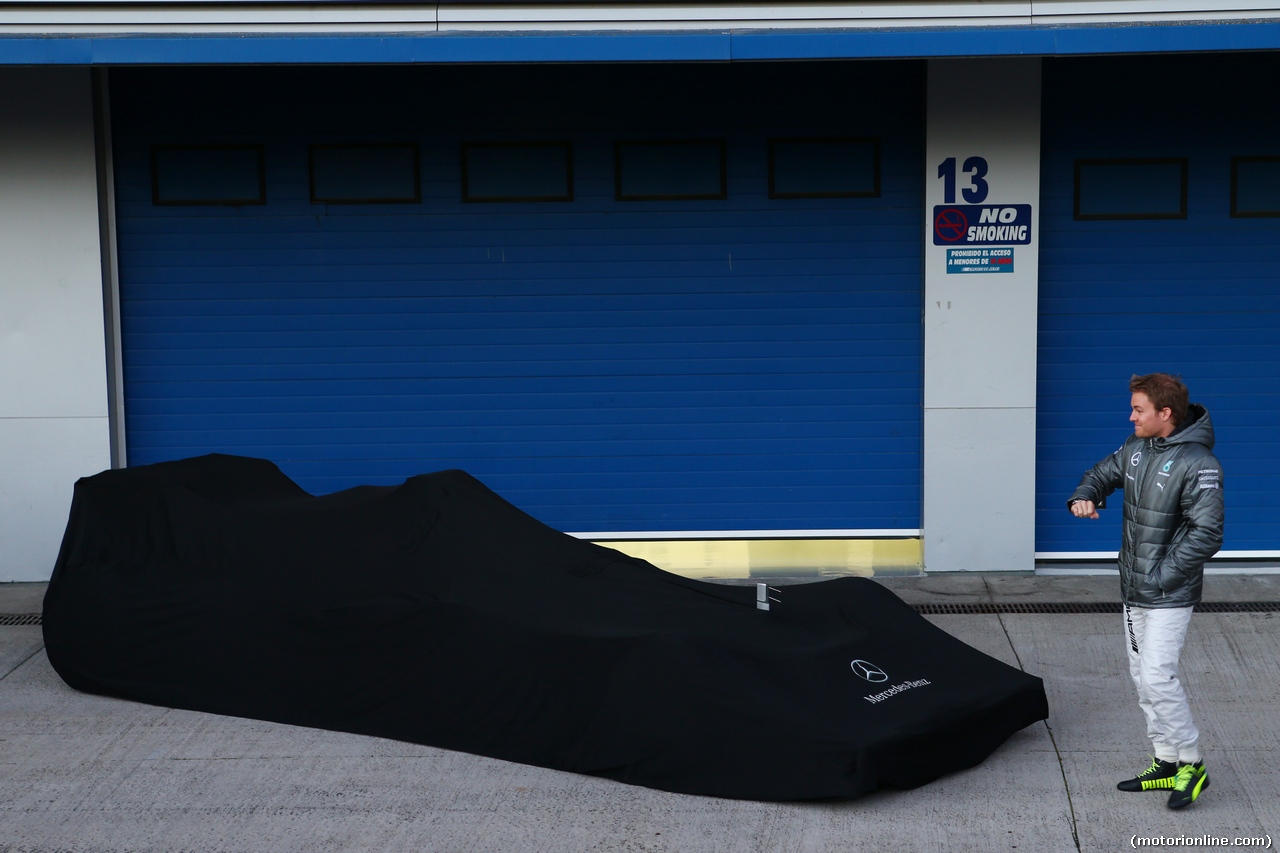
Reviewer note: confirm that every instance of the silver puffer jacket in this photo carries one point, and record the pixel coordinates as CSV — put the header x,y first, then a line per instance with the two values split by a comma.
x,y
1173,511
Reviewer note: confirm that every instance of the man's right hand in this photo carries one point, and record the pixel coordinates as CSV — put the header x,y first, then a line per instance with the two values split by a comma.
x,y
1084,509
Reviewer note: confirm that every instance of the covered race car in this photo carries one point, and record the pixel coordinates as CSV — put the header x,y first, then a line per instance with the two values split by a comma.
x,y
436,612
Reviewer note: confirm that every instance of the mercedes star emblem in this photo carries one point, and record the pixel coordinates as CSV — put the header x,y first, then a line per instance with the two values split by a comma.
x,y
869,671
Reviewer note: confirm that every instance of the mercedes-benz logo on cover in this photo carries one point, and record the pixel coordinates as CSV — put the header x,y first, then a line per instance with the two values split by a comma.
x,y
868,671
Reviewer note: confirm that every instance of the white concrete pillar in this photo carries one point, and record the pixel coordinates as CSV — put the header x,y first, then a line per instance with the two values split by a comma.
x,y
53,378
982,178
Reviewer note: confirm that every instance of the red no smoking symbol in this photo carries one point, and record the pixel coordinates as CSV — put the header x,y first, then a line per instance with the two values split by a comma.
x,y
950,225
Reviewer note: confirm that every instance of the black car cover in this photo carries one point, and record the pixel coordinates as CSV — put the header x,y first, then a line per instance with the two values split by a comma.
x,y
436,612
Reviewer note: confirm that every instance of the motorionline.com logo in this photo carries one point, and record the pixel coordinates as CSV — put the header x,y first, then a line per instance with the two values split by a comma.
x,y
1137,841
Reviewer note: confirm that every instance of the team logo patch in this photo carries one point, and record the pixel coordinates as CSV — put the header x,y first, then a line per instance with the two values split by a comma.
x,y
1135,458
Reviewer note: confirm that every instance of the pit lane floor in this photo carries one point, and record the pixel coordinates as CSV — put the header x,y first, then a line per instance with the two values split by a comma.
x,y
88,773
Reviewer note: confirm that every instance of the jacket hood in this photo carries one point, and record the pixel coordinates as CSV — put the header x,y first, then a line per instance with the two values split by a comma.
x,y
1196,429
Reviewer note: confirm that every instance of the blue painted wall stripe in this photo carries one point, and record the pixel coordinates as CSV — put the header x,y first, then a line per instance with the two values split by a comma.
x,y
640,46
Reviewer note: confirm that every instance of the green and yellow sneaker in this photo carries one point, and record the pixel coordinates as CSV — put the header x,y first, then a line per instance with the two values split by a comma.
x,y
1190,781
1161,775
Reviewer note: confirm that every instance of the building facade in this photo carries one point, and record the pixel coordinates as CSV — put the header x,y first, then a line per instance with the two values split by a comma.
x,y
866,275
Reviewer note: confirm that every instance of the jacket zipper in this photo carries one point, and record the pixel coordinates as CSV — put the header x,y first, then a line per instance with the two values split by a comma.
x,y
1150,467
1143,471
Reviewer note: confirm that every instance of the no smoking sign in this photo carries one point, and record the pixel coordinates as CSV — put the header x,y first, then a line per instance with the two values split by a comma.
x,y
982,225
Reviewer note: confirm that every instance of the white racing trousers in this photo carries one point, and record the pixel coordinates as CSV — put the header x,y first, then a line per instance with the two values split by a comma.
x,y
1154,637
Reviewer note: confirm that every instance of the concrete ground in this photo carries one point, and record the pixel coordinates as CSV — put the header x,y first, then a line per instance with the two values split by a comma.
x,y
86,773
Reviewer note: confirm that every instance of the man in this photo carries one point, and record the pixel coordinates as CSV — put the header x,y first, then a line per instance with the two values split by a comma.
x,y
1173,514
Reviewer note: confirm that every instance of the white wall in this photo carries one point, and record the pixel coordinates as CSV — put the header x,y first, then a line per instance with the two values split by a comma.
x,y
53,381
980,329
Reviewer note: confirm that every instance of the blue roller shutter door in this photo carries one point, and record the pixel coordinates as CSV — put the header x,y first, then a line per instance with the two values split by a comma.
x,y
1195,296
737,364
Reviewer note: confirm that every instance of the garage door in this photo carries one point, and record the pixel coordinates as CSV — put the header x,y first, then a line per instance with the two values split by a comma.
x,y
642,298
1160,247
